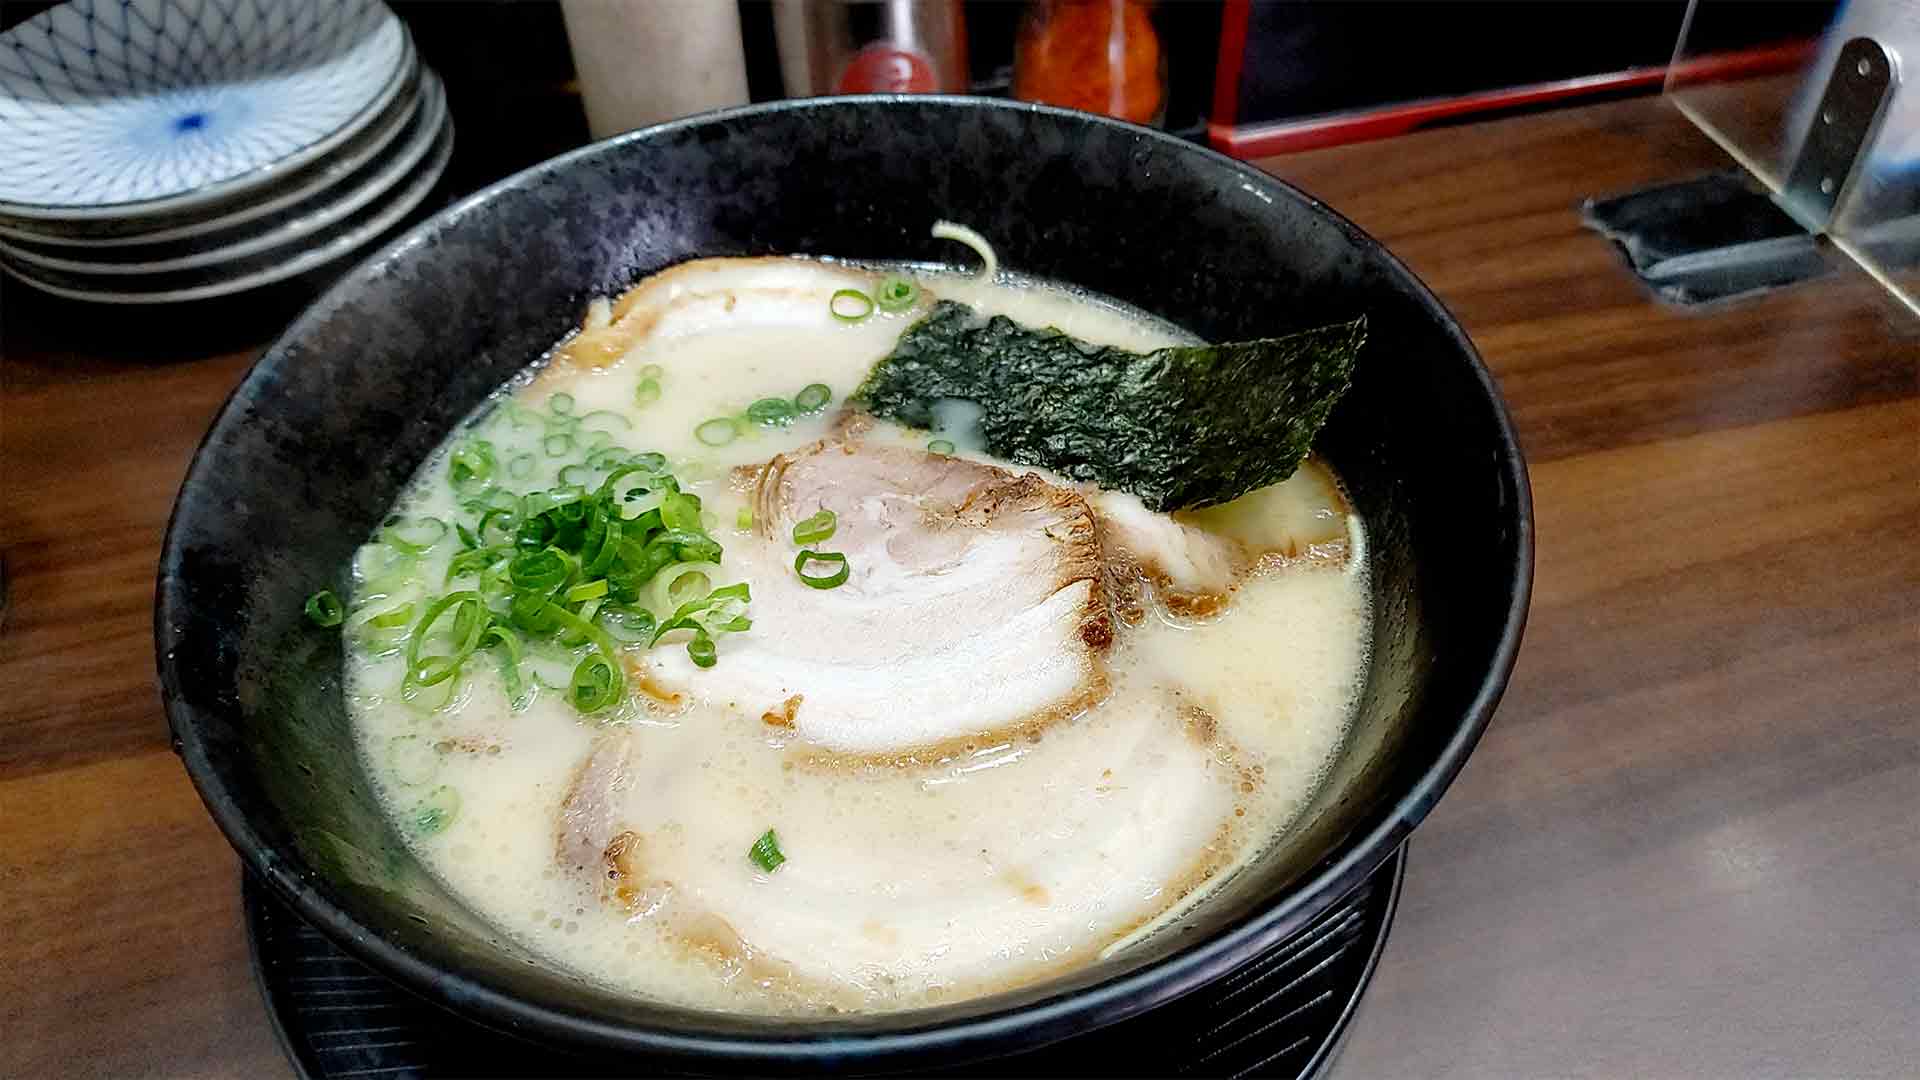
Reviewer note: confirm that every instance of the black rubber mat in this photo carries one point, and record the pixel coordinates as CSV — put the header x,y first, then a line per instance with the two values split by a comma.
x,y
1281,1015
1711,238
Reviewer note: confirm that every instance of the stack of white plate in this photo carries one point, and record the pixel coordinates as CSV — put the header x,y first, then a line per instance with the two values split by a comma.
x,y
154,151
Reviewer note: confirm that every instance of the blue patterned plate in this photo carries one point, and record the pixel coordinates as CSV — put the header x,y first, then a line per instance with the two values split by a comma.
x,y
115,108
230,246
309,252
293,188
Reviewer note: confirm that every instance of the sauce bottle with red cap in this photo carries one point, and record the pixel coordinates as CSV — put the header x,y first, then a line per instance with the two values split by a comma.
x,y
871,46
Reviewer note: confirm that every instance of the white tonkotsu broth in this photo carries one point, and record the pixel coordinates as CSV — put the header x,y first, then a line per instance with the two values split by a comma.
x,y
966,862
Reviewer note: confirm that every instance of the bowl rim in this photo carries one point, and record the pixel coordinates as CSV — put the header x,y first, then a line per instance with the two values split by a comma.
x,y
817,1046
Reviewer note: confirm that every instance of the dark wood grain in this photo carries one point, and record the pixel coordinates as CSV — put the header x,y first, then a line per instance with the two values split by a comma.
x,y
1688,845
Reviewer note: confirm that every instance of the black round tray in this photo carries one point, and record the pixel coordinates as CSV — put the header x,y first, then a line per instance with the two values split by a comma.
x,y
1280,1015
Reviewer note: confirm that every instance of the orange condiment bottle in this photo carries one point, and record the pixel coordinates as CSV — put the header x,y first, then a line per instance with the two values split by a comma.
x,y
1100,56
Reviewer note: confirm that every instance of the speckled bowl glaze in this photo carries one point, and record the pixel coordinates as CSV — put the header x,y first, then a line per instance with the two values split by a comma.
x,y
307,455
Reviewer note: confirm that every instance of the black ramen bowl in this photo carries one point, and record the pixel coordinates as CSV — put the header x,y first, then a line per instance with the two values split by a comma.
x,y
312,448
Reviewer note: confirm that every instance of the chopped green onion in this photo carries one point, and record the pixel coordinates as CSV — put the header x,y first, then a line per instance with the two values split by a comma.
x,y
596,684
587,590
743,518
470,466
850,305
414,695
414,536
701,649
588,610
718,431
470,621
613,488
737,591
592,634
765,852
518,693
691,544
541,571
818,528
813,397
629,624
375,561
896,294
603,547
607,458
393,618
652,371
941,446
666,594
566,566
680,510
324,609
829,581
610,415
647,392
772,412
702,616
436,811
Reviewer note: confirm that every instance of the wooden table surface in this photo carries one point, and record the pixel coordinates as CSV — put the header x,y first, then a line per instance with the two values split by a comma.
x,y
1688,845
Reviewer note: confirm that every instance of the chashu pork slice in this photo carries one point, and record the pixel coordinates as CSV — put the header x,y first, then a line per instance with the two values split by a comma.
x,y
973,605
1194,560
1013,864
716,295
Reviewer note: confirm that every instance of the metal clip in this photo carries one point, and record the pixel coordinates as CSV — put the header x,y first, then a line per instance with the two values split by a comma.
x,y
1849,115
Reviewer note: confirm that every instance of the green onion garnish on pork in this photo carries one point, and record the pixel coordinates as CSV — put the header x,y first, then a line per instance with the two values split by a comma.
x,y
826,581
896,294
850,305
766,853
816,529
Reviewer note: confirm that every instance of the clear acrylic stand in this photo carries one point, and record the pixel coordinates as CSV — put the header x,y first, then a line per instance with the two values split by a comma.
x,y
1832,131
